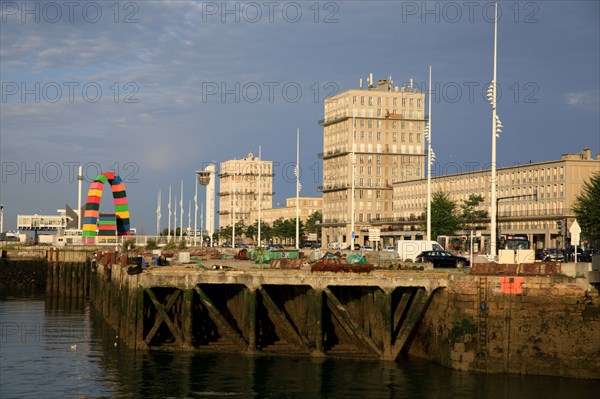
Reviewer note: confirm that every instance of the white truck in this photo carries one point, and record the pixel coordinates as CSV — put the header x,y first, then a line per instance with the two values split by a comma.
x,y
408,250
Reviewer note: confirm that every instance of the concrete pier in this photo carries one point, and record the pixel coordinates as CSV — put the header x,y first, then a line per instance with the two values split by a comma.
x,y
265,311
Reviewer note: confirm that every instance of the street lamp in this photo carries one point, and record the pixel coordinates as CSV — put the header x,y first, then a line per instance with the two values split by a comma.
x,y
430,160
496,129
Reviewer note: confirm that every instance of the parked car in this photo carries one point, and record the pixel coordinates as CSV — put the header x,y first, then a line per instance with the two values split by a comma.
x,y
356,247
366,248
274,246
443,259
389,248
553,255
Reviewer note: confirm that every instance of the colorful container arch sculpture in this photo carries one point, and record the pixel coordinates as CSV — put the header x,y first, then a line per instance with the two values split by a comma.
x,y
92,206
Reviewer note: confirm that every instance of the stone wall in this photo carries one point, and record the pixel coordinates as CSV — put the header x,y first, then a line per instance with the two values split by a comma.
x,y
522,325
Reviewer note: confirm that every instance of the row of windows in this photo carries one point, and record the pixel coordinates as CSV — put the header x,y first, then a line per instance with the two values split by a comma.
x,y
369,101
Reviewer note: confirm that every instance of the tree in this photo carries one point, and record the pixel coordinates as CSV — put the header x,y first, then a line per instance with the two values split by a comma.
x,y
586,208
444,217
469,212
313,221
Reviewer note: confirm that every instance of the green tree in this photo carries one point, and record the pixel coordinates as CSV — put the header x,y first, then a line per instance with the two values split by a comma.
x,y
225,233
313,221
470,214
445,219
587,209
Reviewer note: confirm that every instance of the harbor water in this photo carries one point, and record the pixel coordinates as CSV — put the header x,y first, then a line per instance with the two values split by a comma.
x,y
53,349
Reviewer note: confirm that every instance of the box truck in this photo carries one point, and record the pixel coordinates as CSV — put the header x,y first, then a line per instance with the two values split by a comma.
x,y
407,250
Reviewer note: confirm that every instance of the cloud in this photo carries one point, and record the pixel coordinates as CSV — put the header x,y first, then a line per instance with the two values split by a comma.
x,y
584,100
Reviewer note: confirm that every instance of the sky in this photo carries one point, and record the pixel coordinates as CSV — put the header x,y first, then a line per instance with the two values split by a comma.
x,y
155,90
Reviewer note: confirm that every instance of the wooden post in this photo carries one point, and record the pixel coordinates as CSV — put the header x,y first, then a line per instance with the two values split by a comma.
x,y
251,322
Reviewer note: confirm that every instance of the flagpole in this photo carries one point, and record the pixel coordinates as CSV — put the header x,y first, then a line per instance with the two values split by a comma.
x,y
158,215
259,194
352,183
181,213
233,211
189,228
297,170
169,228
175,221
196,214
428,133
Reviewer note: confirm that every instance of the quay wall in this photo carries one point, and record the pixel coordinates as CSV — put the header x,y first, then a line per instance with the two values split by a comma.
x,y
530,325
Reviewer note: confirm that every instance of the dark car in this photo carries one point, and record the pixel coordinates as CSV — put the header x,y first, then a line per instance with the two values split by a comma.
x,y
443,259
553,255
274,246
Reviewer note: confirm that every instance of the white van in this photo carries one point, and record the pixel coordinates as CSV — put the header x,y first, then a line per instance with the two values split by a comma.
x,y
408,250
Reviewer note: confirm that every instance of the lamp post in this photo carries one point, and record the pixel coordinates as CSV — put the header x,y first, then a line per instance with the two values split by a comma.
x,y
352,181
430,160
496,129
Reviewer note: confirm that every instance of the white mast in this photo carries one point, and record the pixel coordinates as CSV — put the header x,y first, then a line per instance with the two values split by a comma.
x,y
352,184
79,215
170,213
298,187
430,160
495,126
181,213
158,215
259,194
175,221
196,213
233,210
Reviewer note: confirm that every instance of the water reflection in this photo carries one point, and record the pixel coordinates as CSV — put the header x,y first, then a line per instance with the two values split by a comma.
x,y
37,359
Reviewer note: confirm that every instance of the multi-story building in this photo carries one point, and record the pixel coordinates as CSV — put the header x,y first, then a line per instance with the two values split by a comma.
x,y
244,182
535,199
307,206
376,135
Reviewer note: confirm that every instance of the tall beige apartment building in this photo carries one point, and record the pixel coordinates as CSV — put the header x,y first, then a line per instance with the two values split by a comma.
x,y
377,132
242,183
532,198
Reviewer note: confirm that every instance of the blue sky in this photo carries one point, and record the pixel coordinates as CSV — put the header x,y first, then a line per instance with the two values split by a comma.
x,y
155,90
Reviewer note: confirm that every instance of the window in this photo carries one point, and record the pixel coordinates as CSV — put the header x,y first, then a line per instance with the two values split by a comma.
x,y
403,137
378,136
370,100
378,100
410,137
395,102
353,99
418,137
378,194
362,100
394,136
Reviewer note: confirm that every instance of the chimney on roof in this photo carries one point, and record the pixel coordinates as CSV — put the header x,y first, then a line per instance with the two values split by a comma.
x,y
586,153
